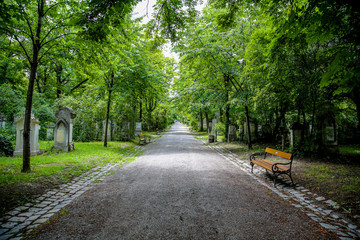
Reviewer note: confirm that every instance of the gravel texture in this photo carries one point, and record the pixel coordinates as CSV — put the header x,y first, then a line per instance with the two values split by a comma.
x,y
180,189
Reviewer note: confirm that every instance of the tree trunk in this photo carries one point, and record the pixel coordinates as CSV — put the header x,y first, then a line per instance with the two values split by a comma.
x,y
201,122
227,108
29,97
108,109
140,111
207,122
248,127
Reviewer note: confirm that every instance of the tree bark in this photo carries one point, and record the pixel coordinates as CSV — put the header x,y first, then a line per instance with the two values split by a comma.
x,y
58,71
227,108
29,97
108,109
201,122
207,122
248,127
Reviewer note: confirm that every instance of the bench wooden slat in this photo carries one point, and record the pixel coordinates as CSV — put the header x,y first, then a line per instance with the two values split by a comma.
x,y
278,153
268,165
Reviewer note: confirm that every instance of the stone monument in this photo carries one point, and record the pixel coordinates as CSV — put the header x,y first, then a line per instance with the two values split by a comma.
x,y
232,133
2,120
63,129
34,136
138,128
50,131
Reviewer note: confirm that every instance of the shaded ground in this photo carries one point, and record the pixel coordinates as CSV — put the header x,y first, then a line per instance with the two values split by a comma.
x,y
178,189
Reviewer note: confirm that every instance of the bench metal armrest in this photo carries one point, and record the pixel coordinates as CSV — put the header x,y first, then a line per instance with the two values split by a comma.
x,y
275,166
253,155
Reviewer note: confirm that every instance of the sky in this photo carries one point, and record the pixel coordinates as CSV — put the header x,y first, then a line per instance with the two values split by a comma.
x,y
145,8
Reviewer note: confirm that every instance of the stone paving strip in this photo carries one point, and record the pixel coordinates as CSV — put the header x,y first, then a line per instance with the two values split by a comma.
x,y
316,207
26,218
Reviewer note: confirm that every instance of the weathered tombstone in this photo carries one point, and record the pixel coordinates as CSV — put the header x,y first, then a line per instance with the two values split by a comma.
x,y
108,131
50,131
232,133
63,129
34,136
213,135
2,120
297,131
125,131
328,128
138,128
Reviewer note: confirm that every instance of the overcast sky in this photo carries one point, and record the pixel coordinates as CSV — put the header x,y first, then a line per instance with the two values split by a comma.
x,y
145,8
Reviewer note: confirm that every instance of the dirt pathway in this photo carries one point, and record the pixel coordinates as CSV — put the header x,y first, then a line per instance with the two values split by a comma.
x,y
179,189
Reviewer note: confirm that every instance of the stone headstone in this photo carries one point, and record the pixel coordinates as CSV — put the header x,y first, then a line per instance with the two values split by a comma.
x,y
108,131
63,132
138,128
50,131
34,136
232,133
327,126
125,131
2,120
297,133
213,129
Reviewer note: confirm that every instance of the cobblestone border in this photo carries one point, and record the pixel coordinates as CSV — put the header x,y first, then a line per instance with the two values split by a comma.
x,y
24,219
316,207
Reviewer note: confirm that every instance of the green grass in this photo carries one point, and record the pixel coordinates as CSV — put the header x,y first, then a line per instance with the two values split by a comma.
x,y
203,136
350,149
57,165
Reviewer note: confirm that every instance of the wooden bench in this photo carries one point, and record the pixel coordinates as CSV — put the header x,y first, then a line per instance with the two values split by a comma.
x,y
277,168
143,138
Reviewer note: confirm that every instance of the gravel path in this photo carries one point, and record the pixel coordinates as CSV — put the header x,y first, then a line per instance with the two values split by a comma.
x,y
180,189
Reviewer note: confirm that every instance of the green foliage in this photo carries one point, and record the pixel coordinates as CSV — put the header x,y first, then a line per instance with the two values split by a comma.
x,y
6,147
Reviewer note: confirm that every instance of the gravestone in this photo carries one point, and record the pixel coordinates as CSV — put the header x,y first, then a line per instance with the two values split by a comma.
x,y
213,129
125,131
2,120
63,129
50,131
328,127
297,131
34,136
232,133
108,131
138,128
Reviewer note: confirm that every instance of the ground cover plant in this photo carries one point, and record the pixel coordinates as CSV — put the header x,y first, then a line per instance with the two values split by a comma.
x,y
53,168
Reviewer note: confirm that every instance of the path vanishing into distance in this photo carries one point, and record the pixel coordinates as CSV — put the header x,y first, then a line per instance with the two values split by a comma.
x,y
181,189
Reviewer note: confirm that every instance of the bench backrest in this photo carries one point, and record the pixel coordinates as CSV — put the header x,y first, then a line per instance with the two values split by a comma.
x,y
280,154
141,135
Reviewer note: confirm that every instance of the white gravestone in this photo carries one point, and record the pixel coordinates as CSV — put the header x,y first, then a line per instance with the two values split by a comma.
x,y
34,136
138,128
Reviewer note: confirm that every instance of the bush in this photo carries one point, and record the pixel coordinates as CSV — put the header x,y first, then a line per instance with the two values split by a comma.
x,y
6,147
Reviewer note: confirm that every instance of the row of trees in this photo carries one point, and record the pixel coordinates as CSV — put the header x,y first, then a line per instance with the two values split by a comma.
x,y
277,63
89,56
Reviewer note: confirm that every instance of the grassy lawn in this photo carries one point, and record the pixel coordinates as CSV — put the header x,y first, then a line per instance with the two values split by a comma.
x,y
337,179
53,168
